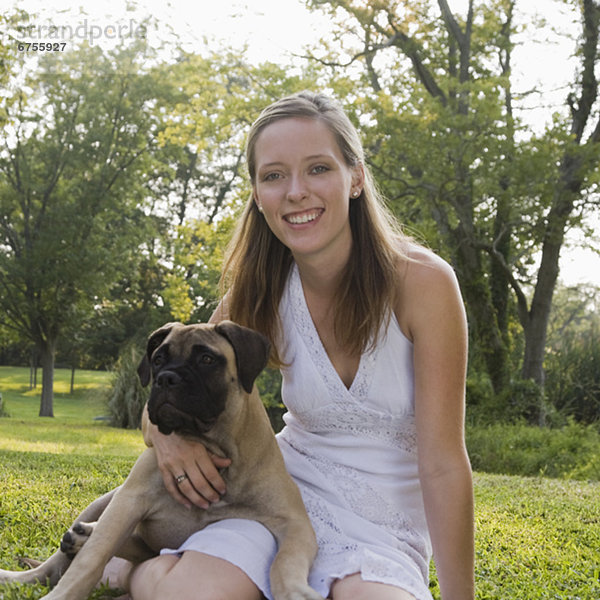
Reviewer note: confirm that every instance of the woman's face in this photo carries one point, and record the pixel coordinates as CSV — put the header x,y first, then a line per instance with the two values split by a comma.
x,y
303,186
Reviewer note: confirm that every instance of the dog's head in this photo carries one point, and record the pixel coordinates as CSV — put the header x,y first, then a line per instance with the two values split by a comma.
x,y
196,370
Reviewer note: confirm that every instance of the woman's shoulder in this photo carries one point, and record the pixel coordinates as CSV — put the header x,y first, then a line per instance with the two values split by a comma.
x,y
427,286
419,267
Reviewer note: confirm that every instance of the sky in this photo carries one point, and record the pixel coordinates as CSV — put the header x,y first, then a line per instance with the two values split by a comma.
x,y
278,28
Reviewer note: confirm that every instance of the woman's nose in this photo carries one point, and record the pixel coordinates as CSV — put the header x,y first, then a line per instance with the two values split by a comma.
x,y
297,189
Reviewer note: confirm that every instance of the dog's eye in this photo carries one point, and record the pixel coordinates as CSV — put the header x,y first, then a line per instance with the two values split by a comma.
x,y
157,361
206,359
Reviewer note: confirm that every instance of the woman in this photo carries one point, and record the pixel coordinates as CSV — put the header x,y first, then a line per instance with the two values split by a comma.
x,y
370,334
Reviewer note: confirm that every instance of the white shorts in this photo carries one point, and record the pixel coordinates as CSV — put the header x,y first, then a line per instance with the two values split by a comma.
x,y
247,544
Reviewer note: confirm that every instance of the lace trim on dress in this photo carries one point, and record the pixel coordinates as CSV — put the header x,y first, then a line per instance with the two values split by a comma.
x,y
397,432
310,336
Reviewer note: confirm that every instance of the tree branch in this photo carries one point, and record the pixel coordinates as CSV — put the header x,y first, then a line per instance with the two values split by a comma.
x,y
589,84
495,254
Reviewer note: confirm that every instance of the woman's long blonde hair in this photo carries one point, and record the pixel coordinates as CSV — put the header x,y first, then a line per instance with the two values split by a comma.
x,y
257,264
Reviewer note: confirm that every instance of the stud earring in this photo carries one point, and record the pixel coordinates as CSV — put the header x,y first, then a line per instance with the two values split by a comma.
x,y
356,194
260,208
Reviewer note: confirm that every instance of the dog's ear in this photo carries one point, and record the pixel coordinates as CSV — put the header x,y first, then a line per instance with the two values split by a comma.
x,y
251,351
154,341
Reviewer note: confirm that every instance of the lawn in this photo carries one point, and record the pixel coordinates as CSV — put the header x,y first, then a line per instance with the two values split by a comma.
x,y
537,538
76,428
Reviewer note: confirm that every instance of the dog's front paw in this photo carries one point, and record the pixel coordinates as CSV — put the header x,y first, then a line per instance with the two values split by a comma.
x,y
75,538
298,592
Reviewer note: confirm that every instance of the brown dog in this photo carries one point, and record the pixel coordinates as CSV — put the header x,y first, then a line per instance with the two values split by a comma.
x,y
203,386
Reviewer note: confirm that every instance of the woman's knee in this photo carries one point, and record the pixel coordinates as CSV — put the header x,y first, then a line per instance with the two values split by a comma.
x,y
354,587
146,577
194,576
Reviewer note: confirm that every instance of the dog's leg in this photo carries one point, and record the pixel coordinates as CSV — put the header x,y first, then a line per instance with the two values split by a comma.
x,y
296,552
52,569
49,572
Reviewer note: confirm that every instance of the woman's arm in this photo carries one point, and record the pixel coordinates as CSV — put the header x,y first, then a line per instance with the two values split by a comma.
x,y
432,314
182,456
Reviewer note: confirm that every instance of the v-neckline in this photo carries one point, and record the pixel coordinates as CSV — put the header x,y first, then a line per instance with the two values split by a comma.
x,y
318,352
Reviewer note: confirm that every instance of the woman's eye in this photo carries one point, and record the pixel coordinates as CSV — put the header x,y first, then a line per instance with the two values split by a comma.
x,y
320,169
271,177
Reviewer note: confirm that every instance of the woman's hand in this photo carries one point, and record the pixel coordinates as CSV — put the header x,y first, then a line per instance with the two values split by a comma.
x,y
189,470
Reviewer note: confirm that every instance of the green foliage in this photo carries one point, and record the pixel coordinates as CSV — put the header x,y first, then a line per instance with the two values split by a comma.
x,y
573,358
126,399
192,286
133,170
570,452
431,86
520,399
9,56
269,386
573,383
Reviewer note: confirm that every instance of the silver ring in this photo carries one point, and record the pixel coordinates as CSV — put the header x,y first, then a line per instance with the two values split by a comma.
x,y
181,478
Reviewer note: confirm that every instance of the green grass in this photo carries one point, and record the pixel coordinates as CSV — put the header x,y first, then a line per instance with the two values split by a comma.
x,y
537,538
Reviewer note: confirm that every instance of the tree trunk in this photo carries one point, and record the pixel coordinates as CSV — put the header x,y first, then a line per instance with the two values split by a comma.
x,y
539,314
33,370
47,354
482,315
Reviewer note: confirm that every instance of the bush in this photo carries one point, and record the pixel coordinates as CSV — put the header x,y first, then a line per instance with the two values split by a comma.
x,y
127,397
571,452
522,400
573,376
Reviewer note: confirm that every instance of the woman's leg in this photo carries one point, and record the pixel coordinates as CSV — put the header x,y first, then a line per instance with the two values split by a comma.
x,y
354,588
194,576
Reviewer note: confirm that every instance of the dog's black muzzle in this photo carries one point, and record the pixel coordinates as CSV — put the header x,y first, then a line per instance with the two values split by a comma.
x,y
182,403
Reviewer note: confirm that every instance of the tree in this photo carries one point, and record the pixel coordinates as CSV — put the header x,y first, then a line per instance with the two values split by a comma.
x,y
71,194
577,170
435,99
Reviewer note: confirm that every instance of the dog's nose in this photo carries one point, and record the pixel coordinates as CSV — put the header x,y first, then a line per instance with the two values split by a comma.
x,y
168,379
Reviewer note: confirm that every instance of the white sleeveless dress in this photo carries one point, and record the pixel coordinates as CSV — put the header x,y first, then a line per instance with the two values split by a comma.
x,y
352,453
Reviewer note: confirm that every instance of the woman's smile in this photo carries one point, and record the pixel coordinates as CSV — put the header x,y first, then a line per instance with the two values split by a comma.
x,y
304,217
